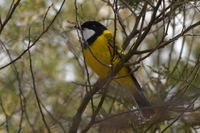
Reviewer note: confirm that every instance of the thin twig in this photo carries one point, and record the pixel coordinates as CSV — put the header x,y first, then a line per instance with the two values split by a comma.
x,y
36,40
21,94
35,91
179,116
9,15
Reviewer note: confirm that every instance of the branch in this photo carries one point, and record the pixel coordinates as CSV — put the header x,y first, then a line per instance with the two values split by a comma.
x,y
36,93
161,44
77,117
9,15
179,116
37,39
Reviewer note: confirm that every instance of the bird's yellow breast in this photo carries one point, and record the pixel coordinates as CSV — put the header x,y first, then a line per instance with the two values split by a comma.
x,y
99,57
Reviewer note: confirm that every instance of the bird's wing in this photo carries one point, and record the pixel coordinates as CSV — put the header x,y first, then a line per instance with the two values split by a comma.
x,y
117,50
138,95
119,54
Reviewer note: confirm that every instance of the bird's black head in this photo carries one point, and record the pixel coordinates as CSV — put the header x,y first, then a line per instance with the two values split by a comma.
x,y
93,25
91,30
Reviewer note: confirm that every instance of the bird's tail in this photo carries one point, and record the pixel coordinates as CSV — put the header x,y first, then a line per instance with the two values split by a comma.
x,y
130,82
142,102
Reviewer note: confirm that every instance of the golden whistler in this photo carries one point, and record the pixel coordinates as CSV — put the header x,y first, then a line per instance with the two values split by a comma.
x,y
100,54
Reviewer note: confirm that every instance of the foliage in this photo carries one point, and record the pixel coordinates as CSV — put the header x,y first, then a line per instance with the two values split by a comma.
x,y
43,78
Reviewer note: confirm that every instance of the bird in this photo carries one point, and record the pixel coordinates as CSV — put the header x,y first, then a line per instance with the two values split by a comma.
x,y
101,55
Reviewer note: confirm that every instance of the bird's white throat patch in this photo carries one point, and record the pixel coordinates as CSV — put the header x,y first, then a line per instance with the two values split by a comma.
x,y
87,33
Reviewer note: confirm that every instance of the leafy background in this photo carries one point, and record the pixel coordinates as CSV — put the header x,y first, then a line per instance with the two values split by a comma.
x,y
57,70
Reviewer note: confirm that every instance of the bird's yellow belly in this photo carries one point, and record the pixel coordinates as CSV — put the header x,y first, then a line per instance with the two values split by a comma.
x,y
99,59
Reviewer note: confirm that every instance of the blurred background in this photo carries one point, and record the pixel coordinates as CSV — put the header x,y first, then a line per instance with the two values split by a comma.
x,y
46,81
